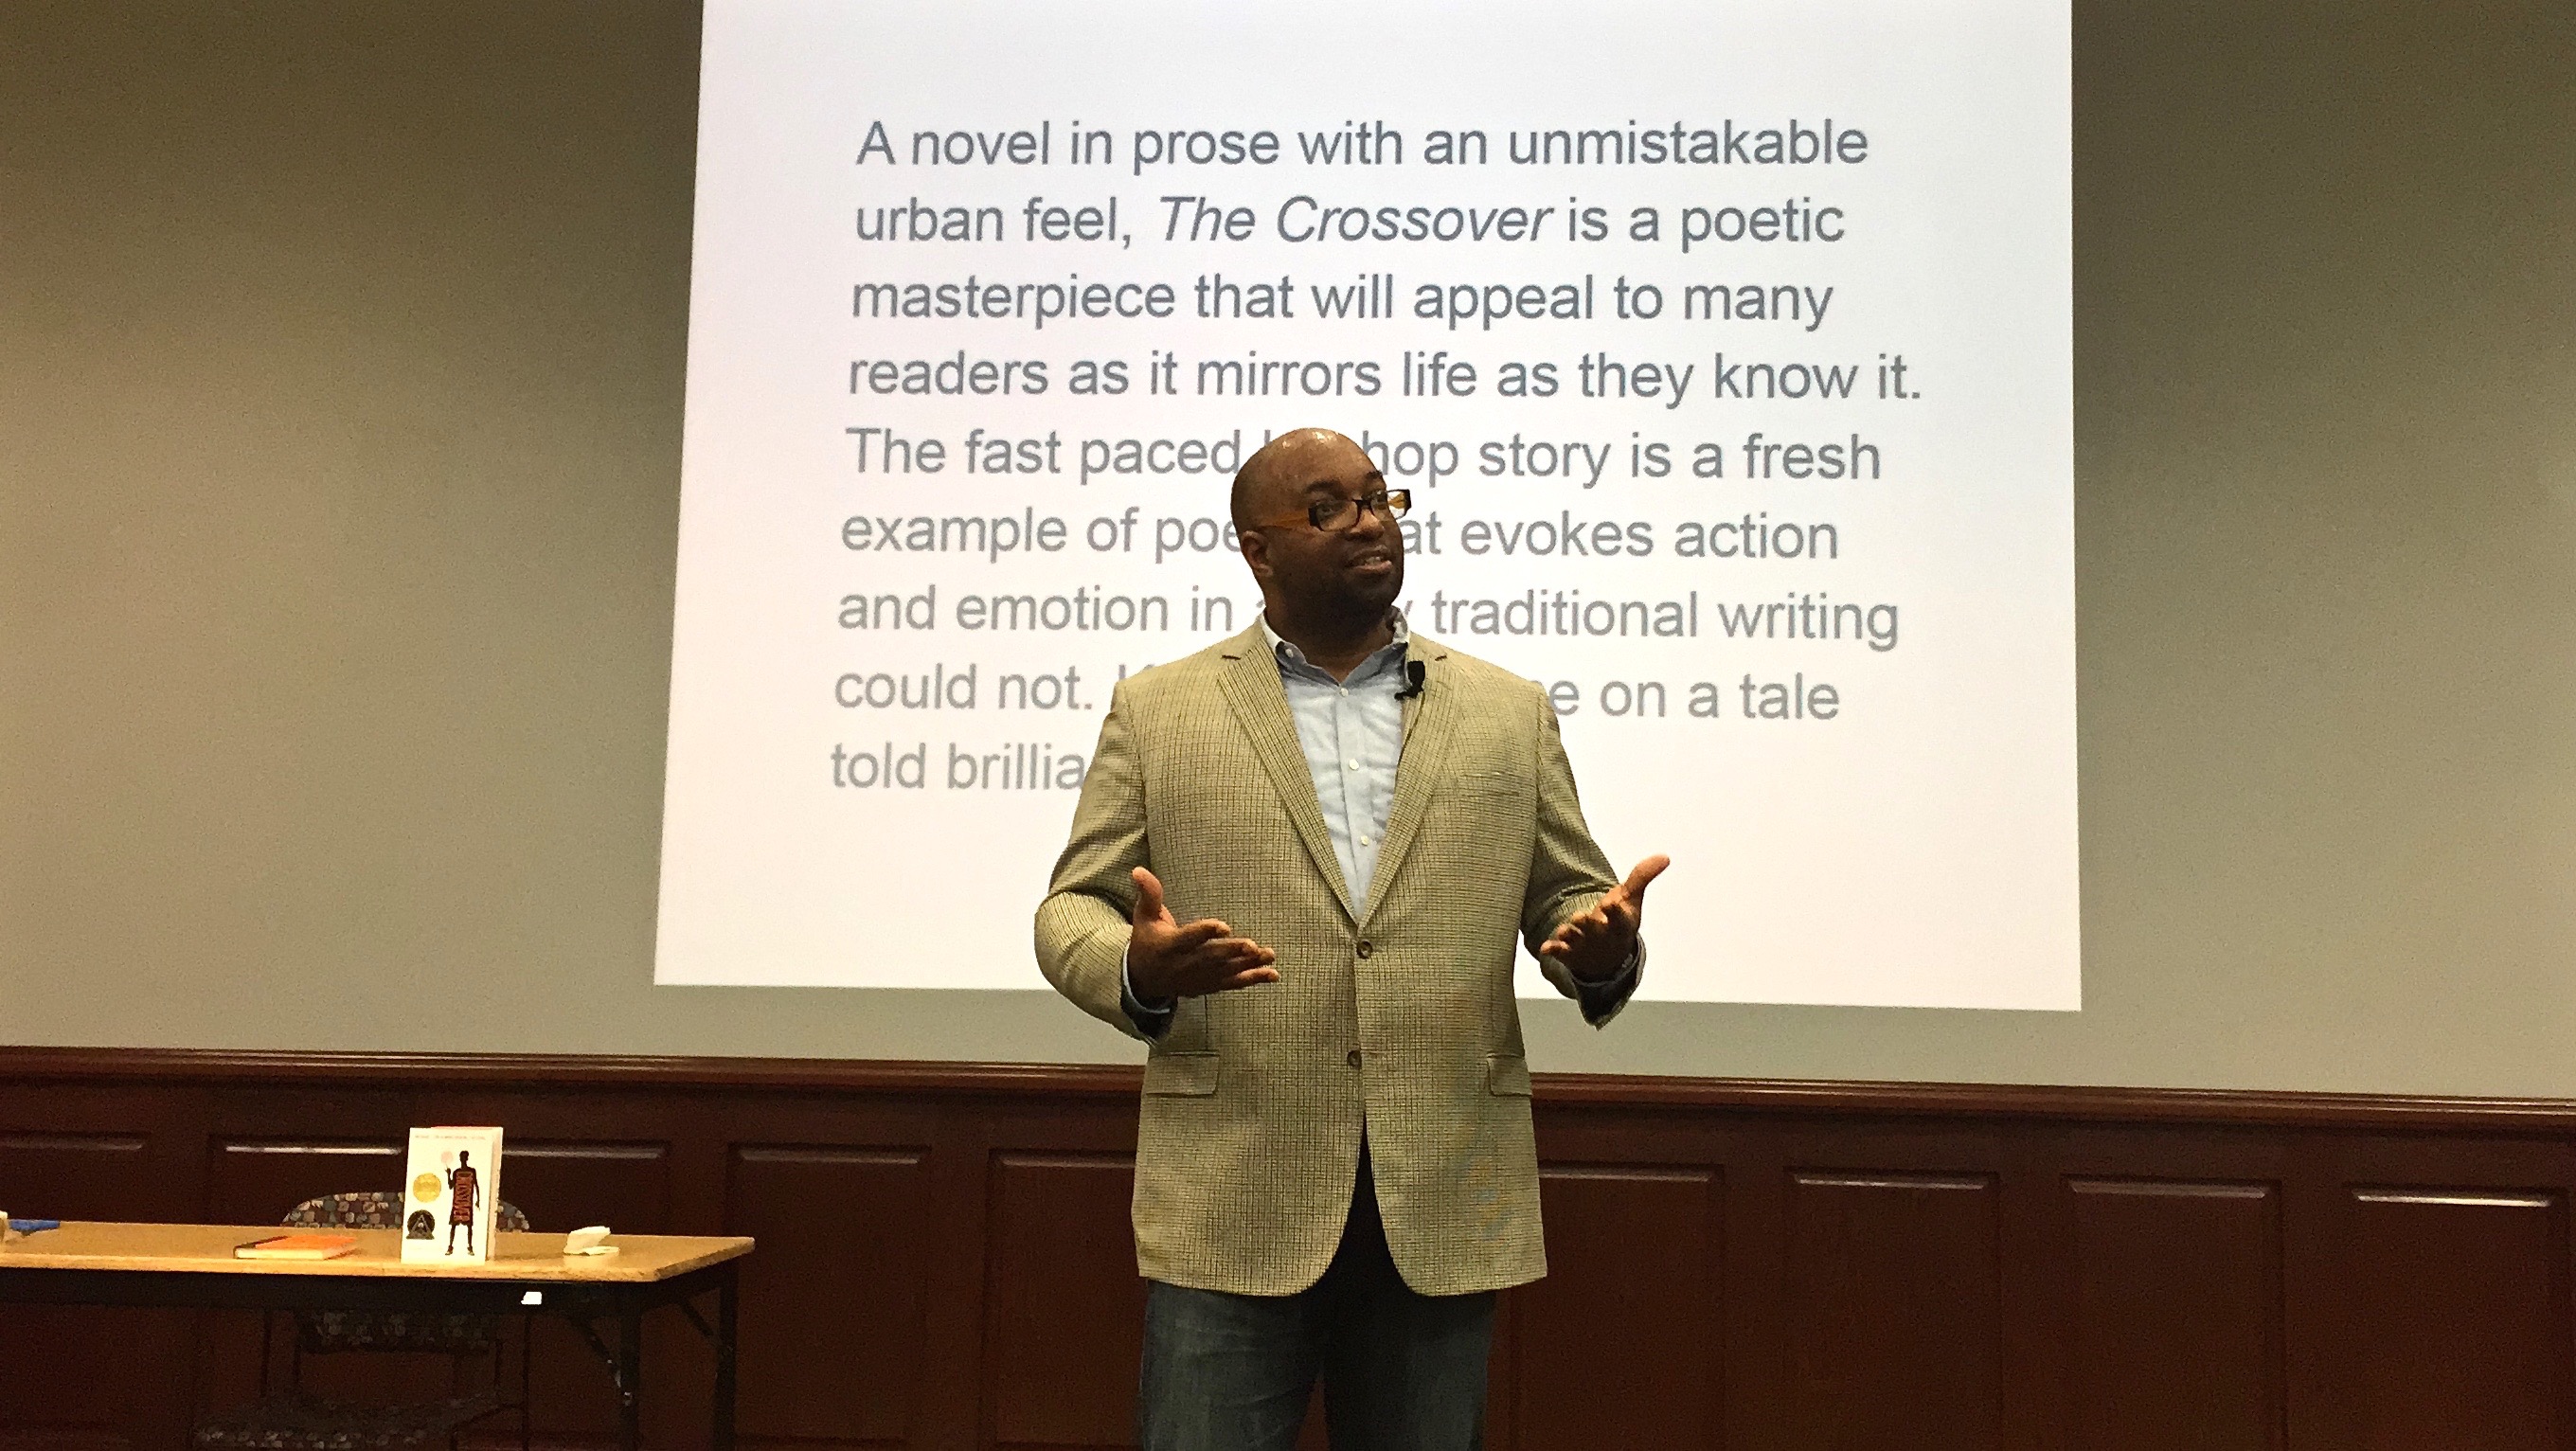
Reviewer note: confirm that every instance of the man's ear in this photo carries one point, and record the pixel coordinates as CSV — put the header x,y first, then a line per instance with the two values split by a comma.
x,y
1256,554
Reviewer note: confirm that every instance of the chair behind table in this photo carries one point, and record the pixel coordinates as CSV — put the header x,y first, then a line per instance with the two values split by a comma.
x,y
293,1420
331,1331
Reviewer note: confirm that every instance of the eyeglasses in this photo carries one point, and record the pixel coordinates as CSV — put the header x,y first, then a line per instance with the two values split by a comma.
x,y
1336,514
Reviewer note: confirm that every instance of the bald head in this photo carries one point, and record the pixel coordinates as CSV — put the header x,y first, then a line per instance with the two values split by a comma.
x,y
1273,481
1318,584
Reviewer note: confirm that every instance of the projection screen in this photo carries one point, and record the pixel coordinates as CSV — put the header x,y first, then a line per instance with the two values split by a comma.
x,y
1726,349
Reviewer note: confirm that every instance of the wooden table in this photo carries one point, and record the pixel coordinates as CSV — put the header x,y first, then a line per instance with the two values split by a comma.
x,y
191,1266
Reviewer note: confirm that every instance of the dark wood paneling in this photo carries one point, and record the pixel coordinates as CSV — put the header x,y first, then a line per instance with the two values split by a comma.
x,y
1628,1246
1894,1315
561,1185
2178,1315
834,1304
2461,1304
256,1181
945,1260
38,1437
75,1176
121,1147
1064,1308
567,1184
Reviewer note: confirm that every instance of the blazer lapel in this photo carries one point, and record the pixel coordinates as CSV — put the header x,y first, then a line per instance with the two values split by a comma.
x,y
1251,685
1430,720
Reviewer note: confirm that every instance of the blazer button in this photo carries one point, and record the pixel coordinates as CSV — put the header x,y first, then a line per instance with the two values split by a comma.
x,y
1355,1058
1365,949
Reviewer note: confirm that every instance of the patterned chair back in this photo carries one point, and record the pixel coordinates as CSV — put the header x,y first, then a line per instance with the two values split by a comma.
x,y
329,1331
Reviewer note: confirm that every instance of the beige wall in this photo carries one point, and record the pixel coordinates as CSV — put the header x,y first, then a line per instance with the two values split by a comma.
x,y
340,374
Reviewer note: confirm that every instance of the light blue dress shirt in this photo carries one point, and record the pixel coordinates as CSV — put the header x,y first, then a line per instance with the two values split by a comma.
x,y
1353,734
1352,731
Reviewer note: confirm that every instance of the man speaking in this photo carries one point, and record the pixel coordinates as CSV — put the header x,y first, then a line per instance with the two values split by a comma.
x,y
1296,871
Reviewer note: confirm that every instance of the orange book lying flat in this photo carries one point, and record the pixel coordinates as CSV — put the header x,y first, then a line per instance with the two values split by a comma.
x,y
297,1247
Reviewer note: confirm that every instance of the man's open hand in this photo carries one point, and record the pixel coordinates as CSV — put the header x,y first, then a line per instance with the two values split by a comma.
x,y
1597,944
1166,960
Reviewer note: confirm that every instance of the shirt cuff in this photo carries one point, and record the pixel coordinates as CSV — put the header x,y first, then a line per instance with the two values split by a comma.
x,y
1153,1022
1601,1000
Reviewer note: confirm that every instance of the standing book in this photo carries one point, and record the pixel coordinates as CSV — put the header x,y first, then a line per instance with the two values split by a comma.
x,y
451,1189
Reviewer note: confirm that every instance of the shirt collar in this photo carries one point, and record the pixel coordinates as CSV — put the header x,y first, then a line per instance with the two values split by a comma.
x,y
1287,654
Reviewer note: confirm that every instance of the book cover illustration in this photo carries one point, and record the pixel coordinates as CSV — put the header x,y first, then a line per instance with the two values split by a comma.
x,y
451,1189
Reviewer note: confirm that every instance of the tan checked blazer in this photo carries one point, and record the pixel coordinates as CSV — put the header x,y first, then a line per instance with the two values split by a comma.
x,y
1402,1021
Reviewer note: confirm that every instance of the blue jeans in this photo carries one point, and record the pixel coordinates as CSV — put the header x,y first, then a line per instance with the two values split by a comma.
x,y
1402,1371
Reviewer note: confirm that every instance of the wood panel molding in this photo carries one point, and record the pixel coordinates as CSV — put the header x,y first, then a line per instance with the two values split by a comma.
x,y
1844,1098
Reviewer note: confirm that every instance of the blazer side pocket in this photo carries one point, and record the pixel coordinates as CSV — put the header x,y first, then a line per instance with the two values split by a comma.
x,y
1181,1075
1489,783
1507,1075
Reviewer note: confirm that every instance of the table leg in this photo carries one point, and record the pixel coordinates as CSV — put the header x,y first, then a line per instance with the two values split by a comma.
x,y
630,1379
727,1290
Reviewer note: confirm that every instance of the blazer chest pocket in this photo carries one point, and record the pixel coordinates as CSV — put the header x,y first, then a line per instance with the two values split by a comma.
x,y
1507,1075
1182,1075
